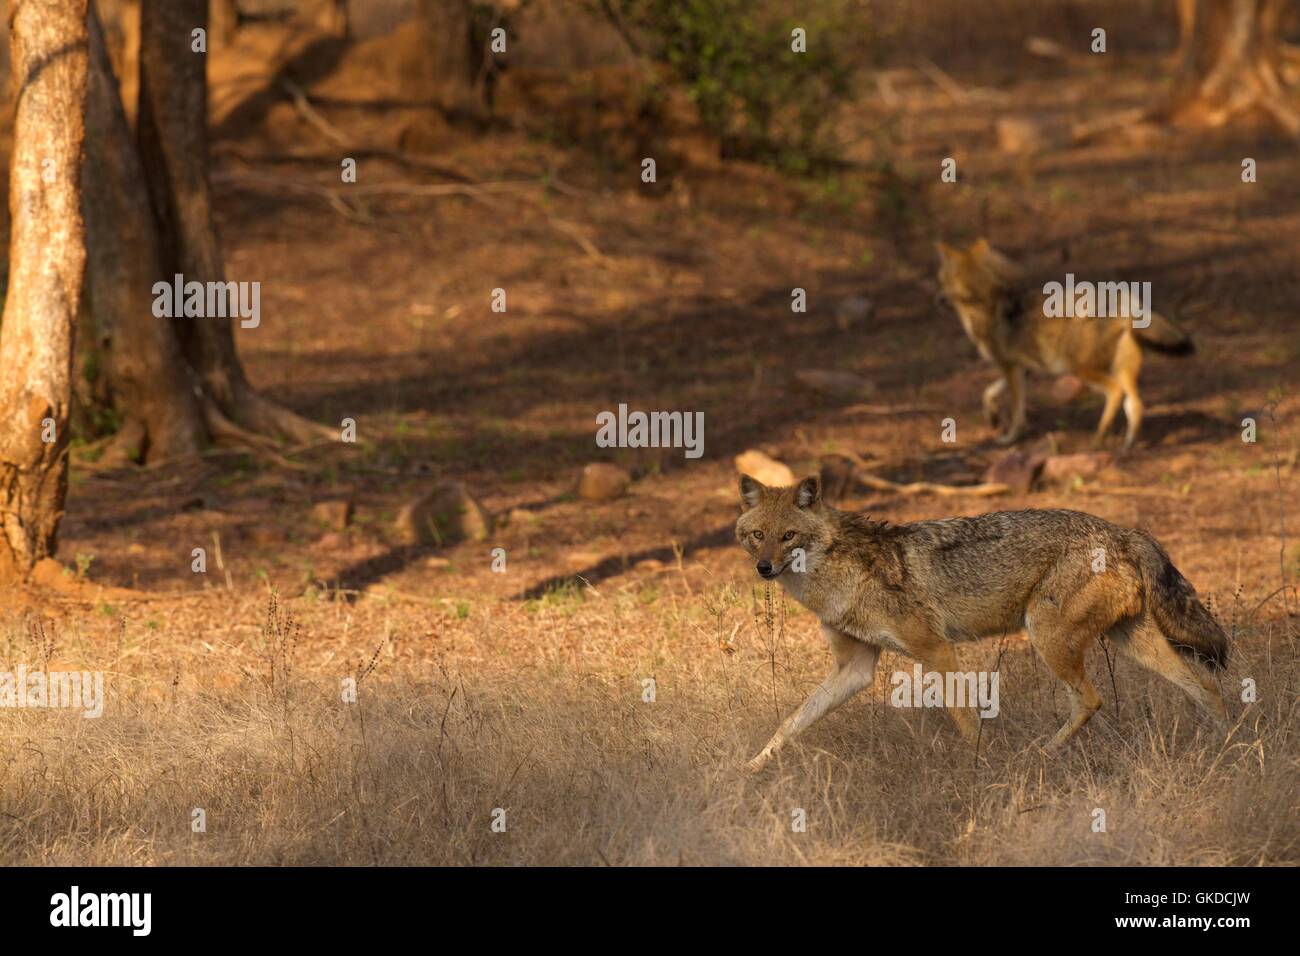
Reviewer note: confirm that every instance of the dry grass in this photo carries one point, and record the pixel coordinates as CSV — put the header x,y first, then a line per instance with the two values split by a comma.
x,y
538,709
478,699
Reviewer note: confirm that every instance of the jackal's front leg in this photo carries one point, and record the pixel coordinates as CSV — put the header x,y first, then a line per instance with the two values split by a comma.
x,y
855,668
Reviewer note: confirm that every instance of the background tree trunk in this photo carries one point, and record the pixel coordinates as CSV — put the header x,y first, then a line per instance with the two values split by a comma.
x,y
450,62
172,135
1232,61
225,21
46,256
149,381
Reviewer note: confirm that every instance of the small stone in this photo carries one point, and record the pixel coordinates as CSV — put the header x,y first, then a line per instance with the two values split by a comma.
x,y
603,482
1085,464
853,310
763,469
521,518
1017,469
834,384
837,473
1024,134
447,514
333,514
332,541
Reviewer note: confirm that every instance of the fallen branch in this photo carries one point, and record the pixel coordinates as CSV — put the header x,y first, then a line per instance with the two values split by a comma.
x,y
316,159
866,409
985,490
942,80
476,191
312,115
574,233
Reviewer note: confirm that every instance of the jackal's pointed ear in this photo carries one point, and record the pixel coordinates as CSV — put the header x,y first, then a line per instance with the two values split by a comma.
x,y
997,263
751,491
945,251
809,492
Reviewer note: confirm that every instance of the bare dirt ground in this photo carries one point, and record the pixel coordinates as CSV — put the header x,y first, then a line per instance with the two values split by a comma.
x,y
524,690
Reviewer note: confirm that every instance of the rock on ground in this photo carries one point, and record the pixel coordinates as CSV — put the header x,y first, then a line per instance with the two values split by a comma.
x,y
446,515
763,469
603,482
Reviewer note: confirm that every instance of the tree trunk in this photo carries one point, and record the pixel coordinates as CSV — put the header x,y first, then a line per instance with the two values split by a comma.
x,y
46,258
120,22
225,21
149,381
173,141
449,61
1232,61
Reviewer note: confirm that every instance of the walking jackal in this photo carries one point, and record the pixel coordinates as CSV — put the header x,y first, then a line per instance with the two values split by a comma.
x,y
1008,324
1066,577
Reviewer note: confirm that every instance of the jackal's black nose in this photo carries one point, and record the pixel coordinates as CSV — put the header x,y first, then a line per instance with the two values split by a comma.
x,y
765,568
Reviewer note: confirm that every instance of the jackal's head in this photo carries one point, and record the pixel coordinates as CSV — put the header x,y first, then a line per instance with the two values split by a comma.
x,y
975,276
784,529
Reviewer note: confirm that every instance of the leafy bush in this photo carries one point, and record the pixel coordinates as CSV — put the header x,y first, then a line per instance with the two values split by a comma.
x,y
736,61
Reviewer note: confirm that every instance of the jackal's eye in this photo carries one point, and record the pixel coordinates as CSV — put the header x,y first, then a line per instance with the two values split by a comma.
x,y
758,535
788,536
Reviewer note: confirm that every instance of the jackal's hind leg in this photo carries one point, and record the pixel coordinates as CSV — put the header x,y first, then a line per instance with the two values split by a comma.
x,y
1132,411
1015,379
991,396
1057,643
1114,394
1149,647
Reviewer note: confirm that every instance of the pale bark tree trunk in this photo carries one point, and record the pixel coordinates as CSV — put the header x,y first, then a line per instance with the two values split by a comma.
x,y
46,258
149,381
1232,63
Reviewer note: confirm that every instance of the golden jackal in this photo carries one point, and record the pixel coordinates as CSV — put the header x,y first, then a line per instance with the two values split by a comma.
x,y
1066,577
1010,327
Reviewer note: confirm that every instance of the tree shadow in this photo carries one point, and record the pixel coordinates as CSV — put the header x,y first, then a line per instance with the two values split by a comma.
x,y
619,564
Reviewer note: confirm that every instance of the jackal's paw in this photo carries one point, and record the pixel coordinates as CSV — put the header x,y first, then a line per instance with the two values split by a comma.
x,y
1007,438
759,762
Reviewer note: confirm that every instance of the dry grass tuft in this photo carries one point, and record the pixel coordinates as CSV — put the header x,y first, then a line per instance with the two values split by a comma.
x,y
539,710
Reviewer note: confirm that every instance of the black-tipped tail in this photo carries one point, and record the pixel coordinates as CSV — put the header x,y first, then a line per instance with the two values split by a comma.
x,y
1190,629
1163,335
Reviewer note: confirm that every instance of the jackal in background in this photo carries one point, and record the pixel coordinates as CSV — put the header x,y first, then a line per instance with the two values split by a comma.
x,y
1006,321
921,588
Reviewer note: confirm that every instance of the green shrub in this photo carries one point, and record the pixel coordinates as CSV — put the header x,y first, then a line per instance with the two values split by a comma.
x,y
736,61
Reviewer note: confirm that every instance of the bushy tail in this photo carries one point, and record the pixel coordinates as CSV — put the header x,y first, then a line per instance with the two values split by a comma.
x,y
1164,335
1182,618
